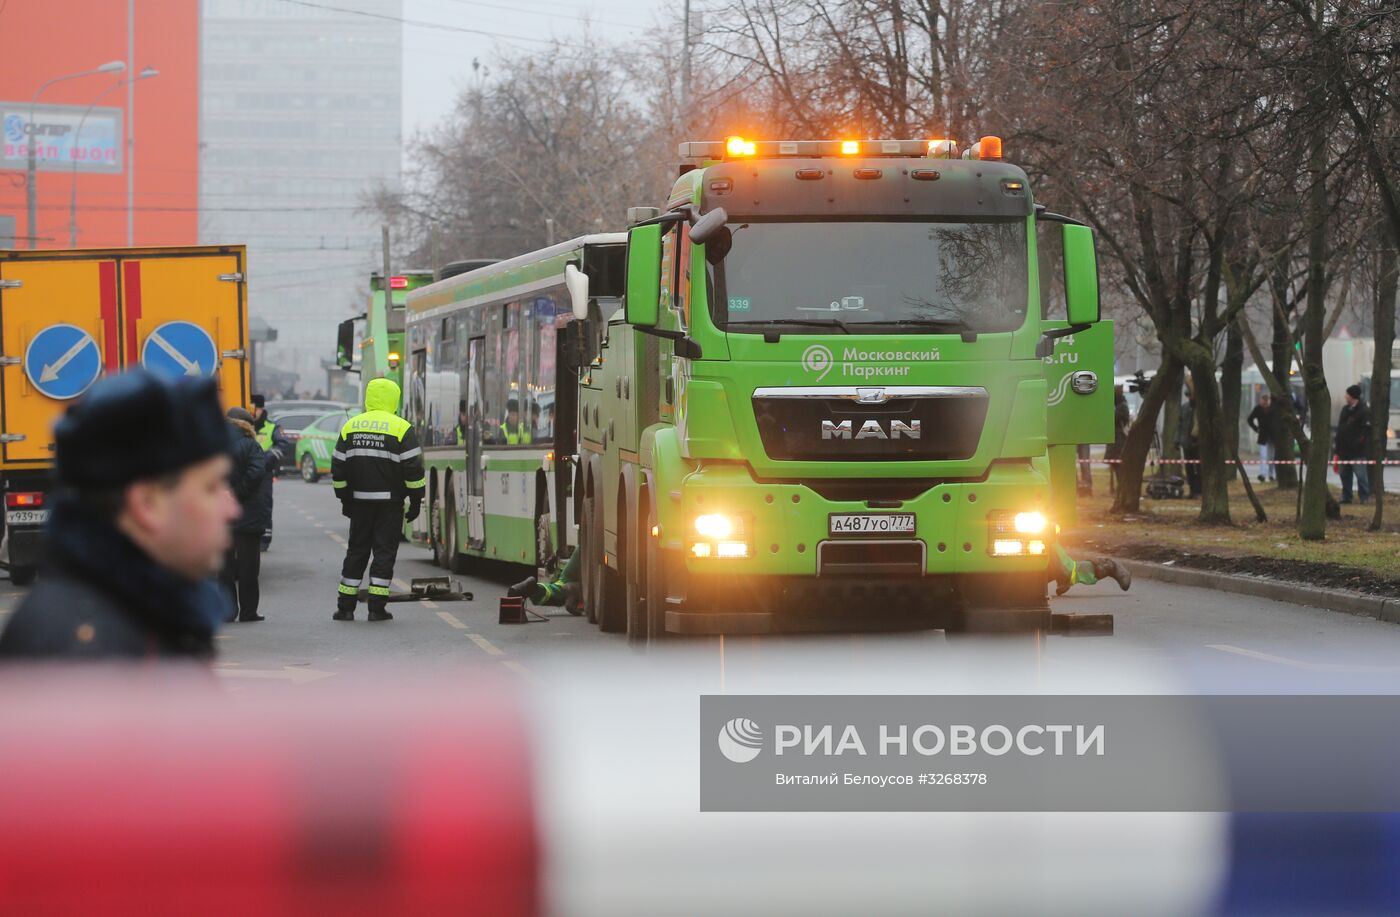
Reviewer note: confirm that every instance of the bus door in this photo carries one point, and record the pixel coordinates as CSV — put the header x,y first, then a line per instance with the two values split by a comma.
x,y
475,477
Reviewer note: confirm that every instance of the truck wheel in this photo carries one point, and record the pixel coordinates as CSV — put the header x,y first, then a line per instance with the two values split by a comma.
x,y
612,597
590,569
309,474
655,584
634,600
23,576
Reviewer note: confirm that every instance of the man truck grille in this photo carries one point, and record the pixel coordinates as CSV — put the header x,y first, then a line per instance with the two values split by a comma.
x,y
870,423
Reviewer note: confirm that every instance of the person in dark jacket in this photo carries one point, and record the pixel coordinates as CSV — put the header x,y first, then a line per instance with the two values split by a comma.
x,y
1188,440
274,440
1268,424
137,529
1353,442
377,463
1113,452
251,480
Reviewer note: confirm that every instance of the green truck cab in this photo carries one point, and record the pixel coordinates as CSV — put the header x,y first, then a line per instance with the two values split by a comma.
x,y
832,398
380,349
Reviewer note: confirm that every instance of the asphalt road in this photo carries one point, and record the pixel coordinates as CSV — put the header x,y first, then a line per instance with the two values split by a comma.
x,y
1211,639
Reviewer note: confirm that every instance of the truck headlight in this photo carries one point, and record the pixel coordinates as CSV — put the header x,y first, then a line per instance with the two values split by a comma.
x,y
719,535
1029,523
714,526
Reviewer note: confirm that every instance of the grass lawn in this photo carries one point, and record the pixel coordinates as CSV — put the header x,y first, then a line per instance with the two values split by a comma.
x,y
1172,524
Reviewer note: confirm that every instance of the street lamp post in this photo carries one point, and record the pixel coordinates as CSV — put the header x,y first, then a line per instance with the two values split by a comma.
x,y
147,73
115,66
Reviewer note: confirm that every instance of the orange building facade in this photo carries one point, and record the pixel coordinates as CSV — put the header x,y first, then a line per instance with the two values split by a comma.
x,y
83,188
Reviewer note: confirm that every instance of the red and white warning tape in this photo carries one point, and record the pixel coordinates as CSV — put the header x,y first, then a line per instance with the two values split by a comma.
x,y
1107,461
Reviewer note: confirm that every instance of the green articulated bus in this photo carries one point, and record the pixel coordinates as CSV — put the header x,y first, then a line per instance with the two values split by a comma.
x,y
490,376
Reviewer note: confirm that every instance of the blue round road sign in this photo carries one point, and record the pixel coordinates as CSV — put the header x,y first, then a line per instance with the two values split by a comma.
x,y
180,349
62,361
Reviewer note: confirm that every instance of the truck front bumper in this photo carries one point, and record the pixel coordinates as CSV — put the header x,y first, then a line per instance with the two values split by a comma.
x,y
780,567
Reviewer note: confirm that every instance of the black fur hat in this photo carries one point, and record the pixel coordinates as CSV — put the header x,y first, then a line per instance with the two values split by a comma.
x,y
135,426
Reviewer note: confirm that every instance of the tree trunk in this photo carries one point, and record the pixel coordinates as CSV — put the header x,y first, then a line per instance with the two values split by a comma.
x,y
1139,440
1282,354
1171,422
1215,473
1230,370
1312,519
1384,323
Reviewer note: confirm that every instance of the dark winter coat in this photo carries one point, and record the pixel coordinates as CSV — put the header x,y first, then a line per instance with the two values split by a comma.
x,y
100,596
251,478
1268,424
1354,431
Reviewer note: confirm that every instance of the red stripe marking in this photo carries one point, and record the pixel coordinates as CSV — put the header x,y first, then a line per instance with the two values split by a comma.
x,y
132,285
107,297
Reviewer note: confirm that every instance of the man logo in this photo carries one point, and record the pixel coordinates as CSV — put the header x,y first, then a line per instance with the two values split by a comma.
x,y
740,740
817,359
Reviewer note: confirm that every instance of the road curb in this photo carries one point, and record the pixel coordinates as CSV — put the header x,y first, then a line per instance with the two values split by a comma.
x,y
1370,606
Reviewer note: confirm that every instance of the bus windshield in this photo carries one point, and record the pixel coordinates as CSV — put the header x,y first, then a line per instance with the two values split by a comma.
x,y
870,276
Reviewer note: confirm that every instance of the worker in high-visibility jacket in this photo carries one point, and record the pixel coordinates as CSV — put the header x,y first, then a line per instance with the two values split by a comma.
x,y
565,589
1064,571
377,463
513,432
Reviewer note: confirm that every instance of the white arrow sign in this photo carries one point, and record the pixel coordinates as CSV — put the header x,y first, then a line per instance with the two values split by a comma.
x,y
191,369
51,371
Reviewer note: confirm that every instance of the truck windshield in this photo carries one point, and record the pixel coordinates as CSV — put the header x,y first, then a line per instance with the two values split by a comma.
x,y
873,276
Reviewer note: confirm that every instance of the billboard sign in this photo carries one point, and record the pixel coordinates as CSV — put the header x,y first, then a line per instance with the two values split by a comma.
x,y
65,137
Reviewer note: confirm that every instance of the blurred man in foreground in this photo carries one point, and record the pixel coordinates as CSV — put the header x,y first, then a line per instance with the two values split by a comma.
x,y
138,527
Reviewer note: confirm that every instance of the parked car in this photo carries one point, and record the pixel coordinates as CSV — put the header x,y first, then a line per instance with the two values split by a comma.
x,y
296,416
316,442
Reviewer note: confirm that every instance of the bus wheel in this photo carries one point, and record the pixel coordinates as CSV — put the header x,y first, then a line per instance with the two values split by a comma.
x,y
587,540
655,583
23,576
544,543
454,557
436,535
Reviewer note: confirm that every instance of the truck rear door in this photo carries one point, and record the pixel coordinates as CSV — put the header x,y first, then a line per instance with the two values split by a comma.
x,y
185,315
59,331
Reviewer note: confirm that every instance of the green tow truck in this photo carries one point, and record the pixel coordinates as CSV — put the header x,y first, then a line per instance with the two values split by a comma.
x,y
832,398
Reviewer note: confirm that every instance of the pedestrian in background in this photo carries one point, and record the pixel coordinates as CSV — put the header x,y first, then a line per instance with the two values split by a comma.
x,y
251,480
1353,443
1113,453
138,526
1264,421
274,440
1188,440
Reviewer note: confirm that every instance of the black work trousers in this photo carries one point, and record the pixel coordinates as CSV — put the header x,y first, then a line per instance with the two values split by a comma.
x,y
240,573
374,528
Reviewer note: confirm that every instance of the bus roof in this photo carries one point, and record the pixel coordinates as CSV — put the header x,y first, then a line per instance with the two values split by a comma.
x,y
504,275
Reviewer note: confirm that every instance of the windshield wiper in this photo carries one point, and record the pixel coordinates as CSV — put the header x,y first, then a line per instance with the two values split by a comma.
x,y
947,324
772,337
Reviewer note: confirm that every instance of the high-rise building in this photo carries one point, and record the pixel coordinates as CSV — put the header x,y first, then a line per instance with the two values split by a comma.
x,y
300,121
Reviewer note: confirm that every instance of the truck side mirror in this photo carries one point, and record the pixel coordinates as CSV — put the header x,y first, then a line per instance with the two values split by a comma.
x,y
644,275
1081,275
577,283
345,344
